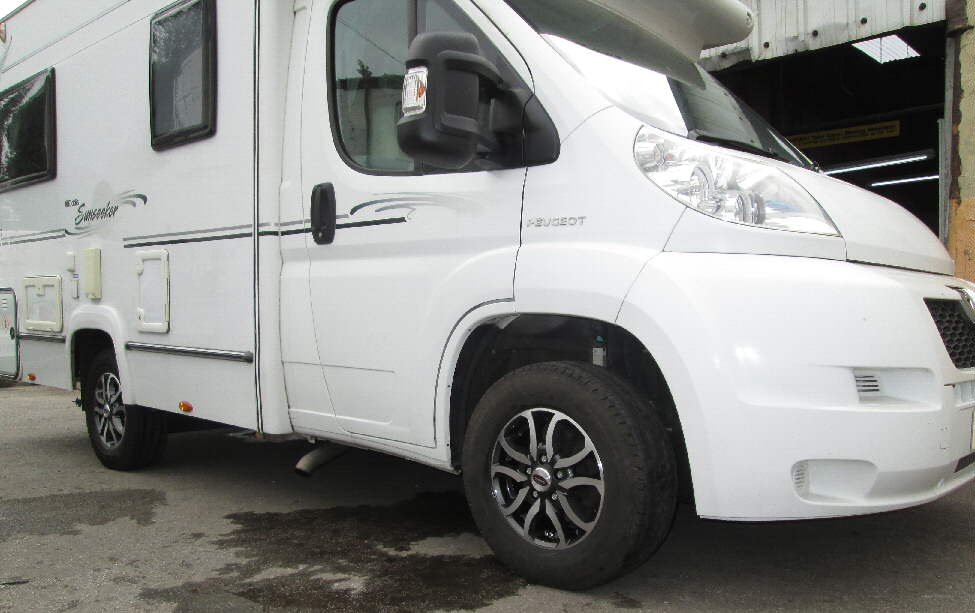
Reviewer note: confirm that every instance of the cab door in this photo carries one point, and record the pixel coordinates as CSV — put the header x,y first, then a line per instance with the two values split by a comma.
x,y
414,248
9,358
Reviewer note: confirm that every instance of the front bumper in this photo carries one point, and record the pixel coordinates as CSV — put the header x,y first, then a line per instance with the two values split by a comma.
x,y
806,388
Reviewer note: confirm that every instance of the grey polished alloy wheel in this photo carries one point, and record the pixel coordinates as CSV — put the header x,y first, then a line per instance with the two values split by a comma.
x,y
547,478
124,437
569,474
109,410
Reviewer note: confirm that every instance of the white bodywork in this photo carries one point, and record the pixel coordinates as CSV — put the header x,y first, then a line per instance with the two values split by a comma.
x,y
690,25
759,333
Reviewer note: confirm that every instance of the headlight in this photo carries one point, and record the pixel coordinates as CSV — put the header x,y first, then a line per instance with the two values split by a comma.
x,y
720,184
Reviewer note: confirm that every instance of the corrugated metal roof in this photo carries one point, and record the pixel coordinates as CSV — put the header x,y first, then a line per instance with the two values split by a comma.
x,y
784,27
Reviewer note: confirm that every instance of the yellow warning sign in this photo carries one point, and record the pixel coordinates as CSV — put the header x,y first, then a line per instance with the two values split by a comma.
x,y
853,134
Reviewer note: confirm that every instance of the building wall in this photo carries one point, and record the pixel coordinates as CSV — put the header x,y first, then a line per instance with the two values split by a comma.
x,y
784,27
961,234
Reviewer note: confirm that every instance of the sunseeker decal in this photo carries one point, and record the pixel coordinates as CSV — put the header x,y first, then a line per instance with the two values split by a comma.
x,y
88,218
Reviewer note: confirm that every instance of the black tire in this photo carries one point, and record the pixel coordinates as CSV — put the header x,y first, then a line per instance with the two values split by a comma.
x,y
633,458
130,437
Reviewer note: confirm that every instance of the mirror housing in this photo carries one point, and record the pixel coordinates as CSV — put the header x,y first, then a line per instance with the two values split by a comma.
x,y
446,96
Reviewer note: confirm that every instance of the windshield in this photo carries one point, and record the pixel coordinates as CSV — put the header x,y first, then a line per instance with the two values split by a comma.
x,y
646,76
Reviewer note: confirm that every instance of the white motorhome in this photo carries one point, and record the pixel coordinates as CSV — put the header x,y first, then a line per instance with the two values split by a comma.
x,y
530,241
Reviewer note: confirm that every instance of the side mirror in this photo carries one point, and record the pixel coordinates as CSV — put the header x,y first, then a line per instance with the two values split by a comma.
x,y
447,93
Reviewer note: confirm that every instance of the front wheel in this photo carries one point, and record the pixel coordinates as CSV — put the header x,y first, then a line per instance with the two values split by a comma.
x,y
570,476
123,437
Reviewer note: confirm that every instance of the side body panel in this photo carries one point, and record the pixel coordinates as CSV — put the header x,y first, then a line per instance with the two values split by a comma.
x,y
412,255
194,203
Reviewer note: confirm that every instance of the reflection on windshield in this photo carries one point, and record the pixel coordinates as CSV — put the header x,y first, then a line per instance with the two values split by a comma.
x,y
650,79
714,114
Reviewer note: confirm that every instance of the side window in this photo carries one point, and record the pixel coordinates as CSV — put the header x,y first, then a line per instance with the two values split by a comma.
x,y
28,140
370,42
183,74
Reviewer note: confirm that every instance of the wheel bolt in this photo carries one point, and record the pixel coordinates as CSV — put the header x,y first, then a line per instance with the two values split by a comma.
x,y
534,494
544,459
560,475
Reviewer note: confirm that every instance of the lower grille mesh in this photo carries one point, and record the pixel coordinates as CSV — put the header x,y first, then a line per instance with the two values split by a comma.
x,y
957,331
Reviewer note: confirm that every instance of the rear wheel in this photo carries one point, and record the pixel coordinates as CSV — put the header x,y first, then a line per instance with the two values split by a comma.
x,y
571,479
123,437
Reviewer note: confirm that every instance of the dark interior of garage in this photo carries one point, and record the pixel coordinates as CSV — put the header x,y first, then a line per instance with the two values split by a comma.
x,y
890,112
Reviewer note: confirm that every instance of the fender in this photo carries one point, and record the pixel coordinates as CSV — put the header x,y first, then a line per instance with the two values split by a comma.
x,y
108,320
652,311
487,312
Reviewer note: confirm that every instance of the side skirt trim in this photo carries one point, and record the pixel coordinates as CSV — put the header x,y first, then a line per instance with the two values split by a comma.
x,y
197,352
43,338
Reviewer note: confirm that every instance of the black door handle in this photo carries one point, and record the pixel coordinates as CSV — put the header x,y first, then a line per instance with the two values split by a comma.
x,y
323,214
13,334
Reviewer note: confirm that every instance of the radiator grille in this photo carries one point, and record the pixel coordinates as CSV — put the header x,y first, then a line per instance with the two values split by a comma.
x,y
957,331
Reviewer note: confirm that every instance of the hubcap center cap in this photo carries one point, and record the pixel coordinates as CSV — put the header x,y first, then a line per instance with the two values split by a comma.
x,y
542,479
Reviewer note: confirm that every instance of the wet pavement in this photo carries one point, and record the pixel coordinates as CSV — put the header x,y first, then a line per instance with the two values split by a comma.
x,y
223,524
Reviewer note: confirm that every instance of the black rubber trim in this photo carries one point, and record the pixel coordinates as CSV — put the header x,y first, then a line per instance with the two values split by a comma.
x,y
285,232
181,241
364,224
965,462
53,237
206,239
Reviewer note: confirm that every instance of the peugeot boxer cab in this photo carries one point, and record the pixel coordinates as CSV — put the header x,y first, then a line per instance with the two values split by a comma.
x,y
532,242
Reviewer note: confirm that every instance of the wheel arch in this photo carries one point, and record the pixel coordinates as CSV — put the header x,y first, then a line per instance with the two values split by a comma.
x,y
497,345
85,345
93,330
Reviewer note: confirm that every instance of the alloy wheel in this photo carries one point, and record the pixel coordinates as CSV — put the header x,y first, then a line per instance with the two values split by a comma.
x,y
547,478
109,412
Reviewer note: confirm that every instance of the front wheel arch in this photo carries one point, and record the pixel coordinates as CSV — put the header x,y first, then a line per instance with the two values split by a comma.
x,y
502,345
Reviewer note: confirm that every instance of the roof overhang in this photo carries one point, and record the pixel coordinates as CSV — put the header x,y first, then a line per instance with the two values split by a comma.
x,y
689,25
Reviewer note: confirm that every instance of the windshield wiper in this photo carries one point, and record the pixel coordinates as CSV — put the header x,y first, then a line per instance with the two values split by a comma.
x,y
740,146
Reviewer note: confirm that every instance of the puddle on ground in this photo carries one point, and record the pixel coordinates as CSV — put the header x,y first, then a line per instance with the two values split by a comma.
x,y
65,513
351,559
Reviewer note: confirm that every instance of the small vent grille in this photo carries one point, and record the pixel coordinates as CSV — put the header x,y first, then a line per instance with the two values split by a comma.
x,y
957,331
800,477
867,384
964,394
4,304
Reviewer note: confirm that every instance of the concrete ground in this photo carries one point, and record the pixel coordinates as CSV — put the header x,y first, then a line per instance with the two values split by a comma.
x,y
222,524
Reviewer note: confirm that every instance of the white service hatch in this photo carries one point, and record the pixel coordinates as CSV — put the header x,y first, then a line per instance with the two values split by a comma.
x,y
8,333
